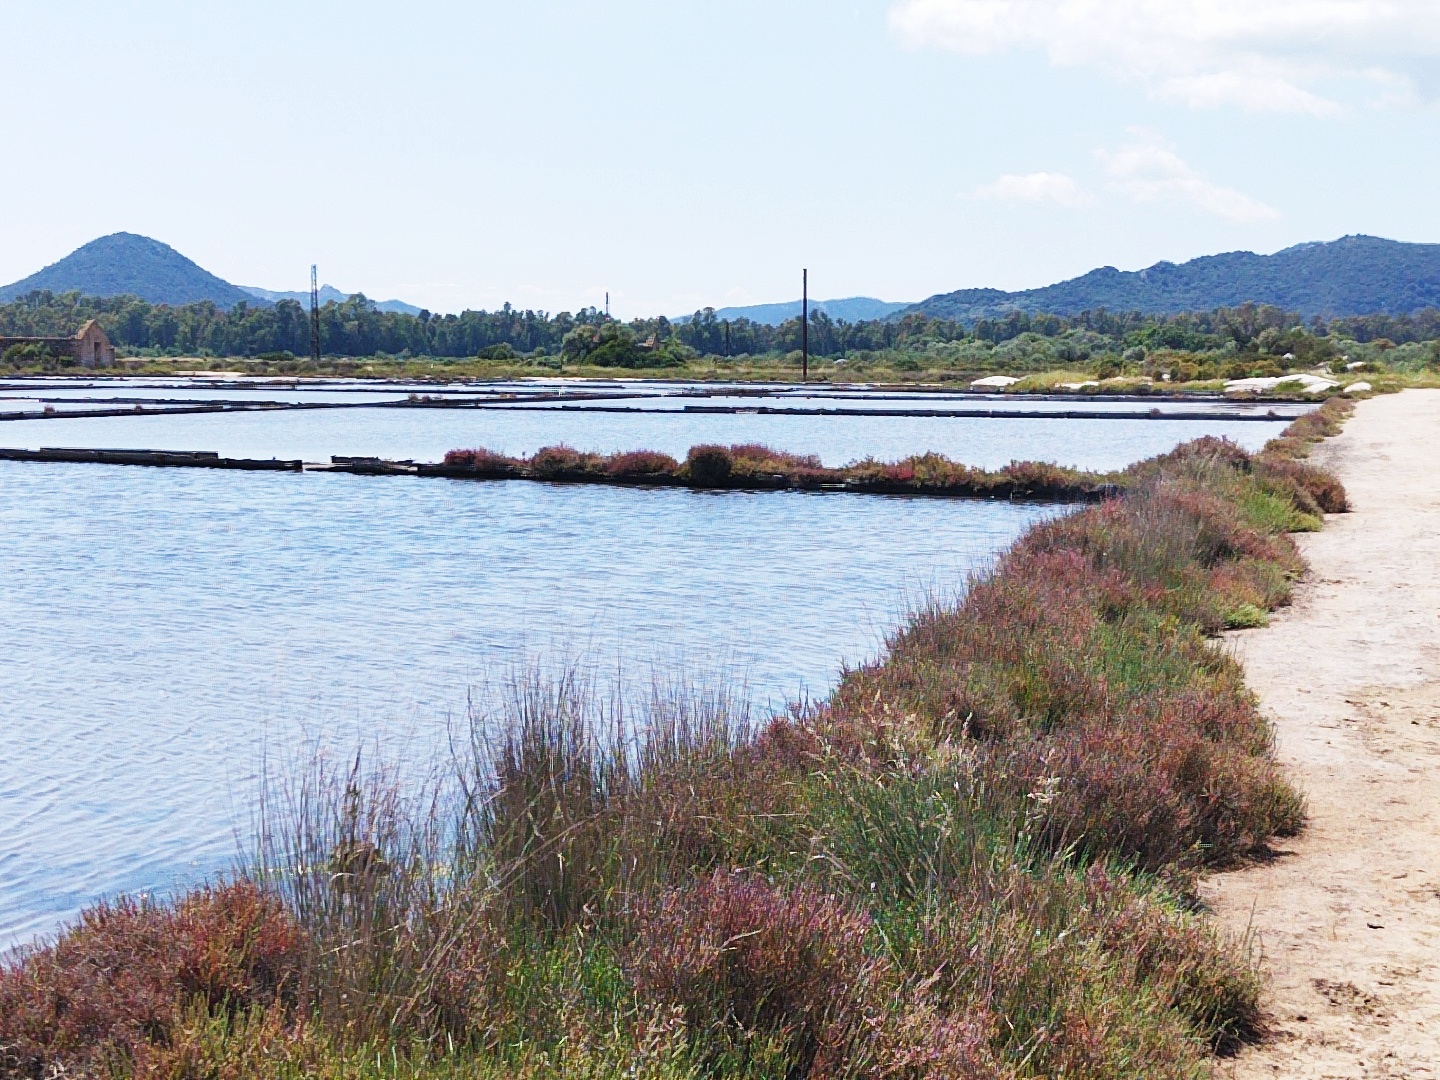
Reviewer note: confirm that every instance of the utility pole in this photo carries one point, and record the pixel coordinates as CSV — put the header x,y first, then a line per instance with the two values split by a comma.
x,y
314,315
805,325
607,303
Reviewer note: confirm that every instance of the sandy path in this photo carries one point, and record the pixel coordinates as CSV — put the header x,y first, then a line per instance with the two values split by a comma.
x,y
1348,916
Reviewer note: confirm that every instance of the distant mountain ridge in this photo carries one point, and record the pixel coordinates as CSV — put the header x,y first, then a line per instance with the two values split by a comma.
x,y
329,294
1355,275
850,309
125,264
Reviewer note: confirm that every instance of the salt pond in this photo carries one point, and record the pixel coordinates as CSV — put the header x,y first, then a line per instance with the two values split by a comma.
x,y
426,434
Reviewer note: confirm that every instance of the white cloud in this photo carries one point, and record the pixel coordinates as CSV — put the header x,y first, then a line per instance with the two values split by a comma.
x,y
1253,91
1273,55
1034,187
1148,171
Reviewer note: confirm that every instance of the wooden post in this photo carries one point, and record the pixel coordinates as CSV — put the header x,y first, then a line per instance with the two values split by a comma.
x,y
805,325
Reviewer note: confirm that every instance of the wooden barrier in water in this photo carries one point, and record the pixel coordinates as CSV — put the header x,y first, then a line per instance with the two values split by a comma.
x,y
174,459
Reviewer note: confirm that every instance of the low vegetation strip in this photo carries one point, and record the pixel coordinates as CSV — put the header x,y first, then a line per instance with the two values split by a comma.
x,y
752,467
973,860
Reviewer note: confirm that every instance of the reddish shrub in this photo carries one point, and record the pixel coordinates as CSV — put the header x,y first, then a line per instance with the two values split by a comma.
x,y
552,462
924,472
466,982
1100,789
894,473
1322,489
481,461
115,980
914,1039
1320,423
1038,479
709,466
937,472
755,457
1198,974
737,954
804,476
642,463
1204,454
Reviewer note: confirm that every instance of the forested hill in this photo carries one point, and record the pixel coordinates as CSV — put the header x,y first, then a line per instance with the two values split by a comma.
x,y
1356,275
124,264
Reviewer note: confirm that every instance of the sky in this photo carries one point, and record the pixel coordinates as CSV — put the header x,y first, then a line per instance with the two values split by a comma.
x,y
680,154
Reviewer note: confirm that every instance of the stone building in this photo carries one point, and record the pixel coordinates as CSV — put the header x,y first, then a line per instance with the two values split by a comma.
x,y
89,348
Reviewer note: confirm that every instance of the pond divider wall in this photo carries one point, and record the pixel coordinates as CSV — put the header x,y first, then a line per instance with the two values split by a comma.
x,y
1019,481
174,459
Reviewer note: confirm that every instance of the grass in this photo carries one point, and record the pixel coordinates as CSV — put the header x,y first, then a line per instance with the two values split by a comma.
x,y
975,859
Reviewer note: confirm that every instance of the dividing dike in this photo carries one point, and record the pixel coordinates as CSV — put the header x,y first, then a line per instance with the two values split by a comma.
x,y
1346,917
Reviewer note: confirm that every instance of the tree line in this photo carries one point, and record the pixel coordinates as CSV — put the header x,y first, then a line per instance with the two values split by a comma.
x,y
355,328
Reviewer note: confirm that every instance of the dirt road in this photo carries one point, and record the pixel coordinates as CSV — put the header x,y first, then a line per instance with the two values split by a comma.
x,y
1348,915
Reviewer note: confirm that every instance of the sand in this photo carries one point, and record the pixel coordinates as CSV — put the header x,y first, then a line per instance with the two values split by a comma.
x,y
1346,917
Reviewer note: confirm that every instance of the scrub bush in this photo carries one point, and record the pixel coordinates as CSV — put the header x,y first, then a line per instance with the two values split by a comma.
x,y
559,462
737,955
709,466
112,983
642,463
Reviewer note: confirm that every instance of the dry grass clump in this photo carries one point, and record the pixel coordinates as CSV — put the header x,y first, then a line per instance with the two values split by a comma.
x,y
972,861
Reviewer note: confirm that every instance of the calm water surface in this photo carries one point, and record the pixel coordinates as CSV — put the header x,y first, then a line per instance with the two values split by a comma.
x,y
426,434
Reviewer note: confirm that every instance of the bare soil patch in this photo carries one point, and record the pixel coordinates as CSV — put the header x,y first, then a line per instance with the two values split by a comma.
x,y
1347,916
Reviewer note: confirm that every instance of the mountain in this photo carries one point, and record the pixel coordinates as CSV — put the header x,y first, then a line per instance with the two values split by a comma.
x,y
1355,275
328,294
853,309
124,264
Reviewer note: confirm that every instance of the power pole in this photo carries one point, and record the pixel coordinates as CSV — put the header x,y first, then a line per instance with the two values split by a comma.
x,y
805,325
314,315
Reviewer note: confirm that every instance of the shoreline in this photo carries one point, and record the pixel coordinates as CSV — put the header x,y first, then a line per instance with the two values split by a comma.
x,y
1346,916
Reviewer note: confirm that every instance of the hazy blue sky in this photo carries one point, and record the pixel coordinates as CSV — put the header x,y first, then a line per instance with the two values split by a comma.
x,y
683,153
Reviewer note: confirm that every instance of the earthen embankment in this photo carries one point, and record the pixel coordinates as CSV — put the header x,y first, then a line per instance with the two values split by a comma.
x,y
1347,916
